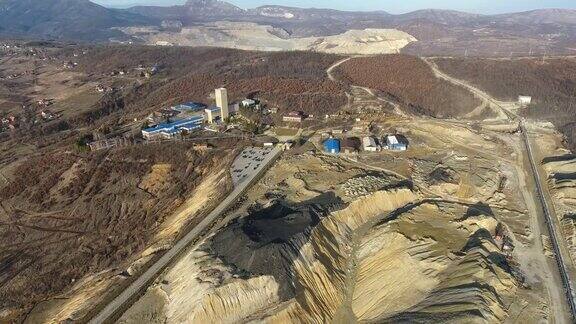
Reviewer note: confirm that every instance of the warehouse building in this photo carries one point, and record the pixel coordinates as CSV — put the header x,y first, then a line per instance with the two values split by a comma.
x,y
332,146
189,107
294,116
248,103
369,144
395,144
351,145
524,100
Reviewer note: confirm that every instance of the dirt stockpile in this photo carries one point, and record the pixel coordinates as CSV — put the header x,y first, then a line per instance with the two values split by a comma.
x,y
350,266
412,82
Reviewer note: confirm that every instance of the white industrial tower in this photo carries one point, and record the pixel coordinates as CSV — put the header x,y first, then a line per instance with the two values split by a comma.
x,y
222,102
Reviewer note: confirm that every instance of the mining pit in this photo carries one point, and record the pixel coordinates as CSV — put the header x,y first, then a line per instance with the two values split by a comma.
x,y
323,238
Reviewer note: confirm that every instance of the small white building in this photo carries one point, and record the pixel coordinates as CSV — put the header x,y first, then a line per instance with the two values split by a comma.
x,y
524,100
394,144
369,144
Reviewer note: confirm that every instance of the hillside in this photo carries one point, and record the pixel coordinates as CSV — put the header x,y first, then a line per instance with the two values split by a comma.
x,y
439,32
63,19
410,81
286,80
191,10
97,212
550,82
73,218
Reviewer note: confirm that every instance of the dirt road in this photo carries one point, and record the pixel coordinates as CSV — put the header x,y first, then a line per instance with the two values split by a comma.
x,y
560,252
502,108
330,73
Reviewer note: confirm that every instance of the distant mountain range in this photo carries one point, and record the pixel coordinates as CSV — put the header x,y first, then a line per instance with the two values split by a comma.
x,y
551,30
64,19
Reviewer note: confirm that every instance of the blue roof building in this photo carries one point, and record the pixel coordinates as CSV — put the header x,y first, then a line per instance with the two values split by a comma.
x,y
173,128
332,146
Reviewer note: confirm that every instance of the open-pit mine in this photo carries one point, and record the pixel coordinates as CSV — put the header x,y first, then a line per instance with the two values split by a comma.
x,y
446,237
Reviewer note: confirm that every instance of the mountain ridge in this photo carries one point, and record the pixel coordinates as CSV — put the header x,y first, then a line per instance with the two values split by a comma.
x,y
63,19
439,31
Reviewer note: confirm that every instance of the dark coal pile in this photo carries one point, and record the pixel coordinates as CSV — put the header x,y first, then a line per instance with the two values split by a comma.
x,y
267,240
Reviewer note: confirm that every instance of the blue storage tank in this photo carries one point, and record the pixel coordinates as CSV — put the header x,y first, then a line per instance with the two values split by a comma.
x,y
332,146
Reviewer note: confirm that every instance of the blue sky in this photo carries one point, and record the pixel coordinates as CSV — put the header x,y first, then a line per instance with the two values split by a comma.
x,y
476,6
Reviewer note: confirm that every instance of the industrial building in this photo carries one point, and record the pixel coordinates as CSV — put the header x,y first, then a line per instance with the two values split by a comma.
x,y
332,146
222,102
212,114
369,144
393,143
248,103
168,130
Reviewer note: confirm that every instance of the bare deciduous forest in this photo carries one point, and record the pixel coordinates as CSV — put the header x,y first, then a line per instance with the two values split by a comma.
x,y
550,82
288,80
409,80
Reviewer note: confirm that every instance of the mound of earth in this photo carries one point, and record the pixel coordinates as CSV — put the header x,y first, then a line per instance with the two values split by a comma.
x,y
562,175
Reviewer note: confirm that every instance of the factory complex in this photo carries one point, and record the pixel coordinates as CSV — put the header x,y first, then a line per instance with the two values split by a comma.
x,y
168,123
165,130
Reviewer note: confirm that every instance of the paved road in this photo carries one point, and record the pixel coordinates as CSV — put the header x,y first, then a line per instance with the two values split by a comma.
x,y
560,259
130,294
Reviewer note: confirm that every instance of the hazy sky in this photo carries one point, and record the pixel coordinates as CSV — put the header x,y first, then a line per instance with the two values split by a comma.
x,y
477,6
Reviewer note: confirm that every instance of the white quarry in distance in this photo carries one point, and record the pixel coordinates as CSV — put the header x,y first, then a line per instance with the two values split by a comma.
x,y
252,36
